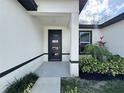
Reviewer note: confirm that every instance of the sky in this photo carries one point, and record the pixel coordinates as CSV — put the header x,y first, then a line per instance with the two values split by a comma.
x,y
99,11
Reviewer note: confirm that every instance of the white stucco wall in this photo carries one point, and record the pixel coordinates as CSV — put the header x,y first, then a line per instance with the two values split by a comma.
x,y
22,36
114,36
31,67
20,40
58,6
74,69
74,27
65,41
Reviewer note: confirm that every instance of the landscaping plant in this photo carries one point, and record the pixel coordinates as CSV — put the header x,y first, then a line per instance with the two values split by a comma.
x,y
98,52
115,65
22,85
70,85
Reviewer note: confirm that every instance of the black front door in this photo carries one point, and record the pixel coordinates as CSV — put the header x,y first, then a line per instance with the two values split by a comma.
x,y
55,45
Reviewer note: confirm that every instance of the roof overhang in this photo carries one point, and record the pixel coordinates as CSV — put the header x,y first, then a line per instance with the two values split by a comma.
x,y
107,23
82,4
29,5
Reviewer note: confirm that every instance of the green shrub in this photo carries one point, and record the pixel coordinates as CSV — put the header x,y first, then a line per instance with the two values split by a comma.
x,y
22,85
98,52
71,85
114,66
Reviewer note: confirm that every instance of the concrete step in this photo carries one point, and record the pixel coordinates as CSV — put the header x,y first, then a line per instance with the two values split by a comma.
x,y
54,69
47,85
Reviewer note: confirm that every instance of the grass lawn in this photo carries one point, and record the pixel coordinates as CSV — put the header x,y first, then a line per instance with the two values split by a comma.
x,y
92,86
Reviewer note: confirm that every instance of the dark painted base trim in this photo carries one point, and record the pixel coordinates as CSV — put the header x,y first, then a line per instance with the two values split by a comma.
x,y
65,53
18,66
45,53
62,53
23,64
74,61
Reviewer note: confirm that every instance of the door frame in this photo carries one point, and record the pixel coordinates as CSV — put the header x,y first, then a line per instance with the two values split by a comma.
x,y
50,30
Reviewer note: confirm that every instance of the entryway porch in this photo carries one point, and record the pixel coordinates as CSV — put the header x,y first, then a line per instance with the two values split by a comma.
x,y
50,74
54,69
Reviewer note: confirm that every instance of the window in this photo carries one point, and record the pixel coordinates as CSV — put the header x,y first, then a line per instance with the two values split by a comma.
x,y
85,38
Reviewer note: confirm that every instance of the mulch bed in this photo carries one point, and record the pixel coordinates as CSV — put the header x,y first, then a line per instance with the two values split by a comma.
x,y
100,77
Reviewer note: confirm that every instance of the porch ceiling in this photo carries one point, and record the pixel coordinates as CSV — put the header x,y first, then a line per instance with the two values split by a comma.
x,y
54,19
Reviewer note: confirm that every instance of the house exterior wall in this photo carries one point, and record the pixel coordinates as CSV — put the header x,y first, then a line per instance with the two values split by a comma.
x,y
21,40
113,36
74,27
63,6
22,37
74,46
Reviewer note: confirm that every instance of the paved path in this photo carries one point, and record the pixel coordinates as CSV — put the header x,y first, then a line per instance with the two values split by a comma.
x,y
50,74
47,85
54,69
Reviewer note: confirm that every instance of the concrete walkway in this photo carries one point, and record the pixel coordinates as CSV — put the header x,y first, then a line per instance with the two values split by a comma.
x,y
47,85
50,74
54,69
